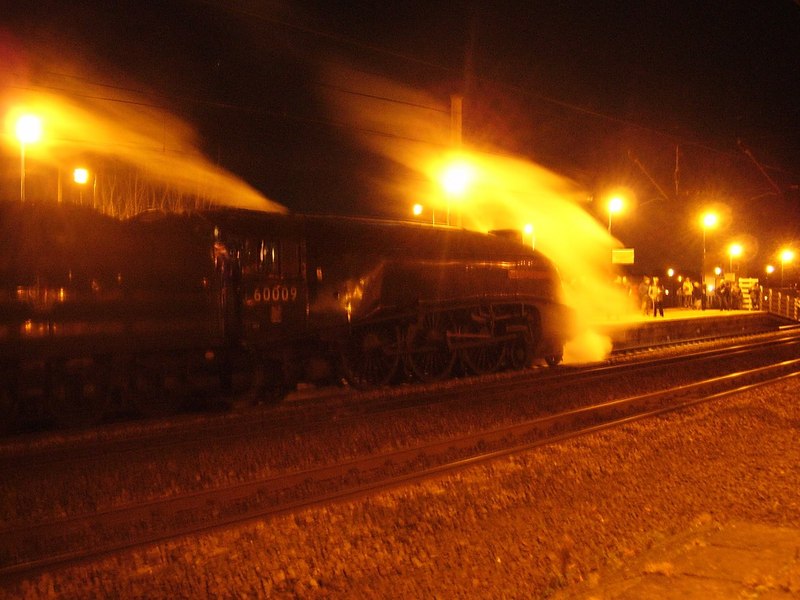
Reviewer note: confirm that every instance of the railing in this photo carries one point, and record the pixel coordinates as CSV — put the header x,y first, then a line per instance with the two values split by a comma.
x,y
783,302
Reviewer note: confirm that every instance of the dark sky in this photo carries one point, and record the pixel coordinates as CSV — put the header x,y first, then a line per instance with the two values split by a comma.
x,y
603,92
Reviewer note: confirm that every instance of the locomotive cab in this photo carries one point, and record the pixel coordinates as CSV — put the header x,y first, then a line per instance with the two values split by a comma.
x,y
261,261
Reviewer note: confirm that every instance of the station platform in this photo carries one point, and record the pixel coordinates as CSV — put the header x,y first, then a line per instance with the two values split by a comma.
x,y
678,324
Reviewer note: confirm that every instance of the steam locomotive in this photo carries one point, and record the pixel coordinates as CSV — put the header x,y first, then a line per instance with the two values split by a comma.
x,y
92,308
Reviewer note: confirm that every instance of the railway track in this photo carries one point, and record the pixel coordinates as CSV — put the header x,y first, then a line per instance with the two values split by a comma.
x,y
342,406
26,548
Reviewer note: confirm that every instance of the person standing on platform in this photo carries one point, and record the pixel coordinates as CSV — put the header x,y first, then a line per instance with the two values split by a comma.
x,y
697,296
724,293
644,295
656,293
755,296
688,288
736,296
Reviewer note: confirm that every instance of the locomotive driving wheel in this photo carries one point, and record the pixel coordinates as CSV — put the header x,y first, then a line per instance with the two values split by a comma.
x,y
484,358
429,355
518,353
370,357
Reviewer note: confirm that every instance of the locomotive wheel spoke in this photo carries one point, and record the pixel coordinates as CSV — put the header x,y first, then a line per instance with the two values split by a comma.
x,y
371,357
429,355
483,359
518,353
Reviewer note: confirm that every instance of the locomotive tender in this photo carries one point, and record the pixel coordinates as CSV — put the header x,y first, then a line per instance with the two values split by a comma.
x,y
92,305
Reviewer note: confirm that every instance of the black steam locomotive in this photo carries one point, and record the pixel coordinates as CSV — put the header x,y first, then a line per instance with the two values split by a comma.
x,y
93,306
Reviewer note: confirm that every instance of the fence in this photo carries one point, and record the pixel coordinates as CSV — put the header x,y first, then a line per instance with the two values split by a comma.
x,y
785,303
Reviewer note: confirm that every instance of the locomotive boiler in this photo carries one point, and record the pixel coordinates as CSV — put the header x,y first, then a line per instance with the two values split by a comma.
x,y
94,308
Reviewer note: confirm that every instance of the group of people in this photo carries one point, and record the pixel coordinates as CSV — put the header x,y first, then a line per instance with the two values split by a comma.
x,y
728,296
651,296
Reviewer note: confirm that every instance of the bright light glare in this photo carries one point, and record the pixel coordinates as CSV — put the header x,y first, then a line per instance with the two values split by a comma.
x,y
710,220
787,256
615,205
456,178
735,250
770,269
417,209
80,175
528,229
164,148
29,129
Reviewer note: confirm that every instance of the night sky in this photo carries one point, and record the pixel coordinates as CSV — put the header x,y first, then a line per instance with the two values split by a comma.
x,y
604,93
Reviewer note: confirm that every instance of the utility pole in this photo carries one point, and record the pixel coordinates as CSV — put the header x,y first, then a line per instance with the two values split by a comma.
x,y
456,111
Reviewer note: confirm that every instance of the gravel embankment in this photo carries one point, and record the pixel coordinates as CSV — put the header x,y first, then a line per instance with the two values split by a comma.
x,y
524,527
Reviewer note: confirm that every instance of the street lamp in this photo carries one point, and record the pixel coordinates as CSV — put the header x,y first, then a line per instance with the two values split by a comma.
x,y
614,206
418,209
455,181
786,256
29,131
81,177
528,230
709,219
733,250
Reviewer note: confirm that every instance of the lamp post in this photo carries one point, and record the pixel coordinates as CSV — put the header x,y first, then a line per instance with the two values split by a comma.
x,y
528,230
733,250
29,131
81,177
614,206
708,220
455,181
786,256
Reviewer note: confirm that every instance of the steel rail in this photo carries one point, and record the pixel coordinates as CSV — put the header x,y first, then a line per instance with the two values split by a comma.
x,y
28,549
65,448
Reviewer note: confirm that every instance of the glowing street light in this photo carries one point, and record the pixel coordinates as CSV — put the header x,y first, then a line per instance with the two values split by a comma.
x,y
80,176
734,250
786,256
527,230
455,180
614,206
29,131
708,221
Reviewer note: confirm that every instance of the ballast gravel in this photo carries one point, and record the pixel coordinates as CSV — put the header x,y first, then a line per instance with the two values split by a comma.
x,y
535,525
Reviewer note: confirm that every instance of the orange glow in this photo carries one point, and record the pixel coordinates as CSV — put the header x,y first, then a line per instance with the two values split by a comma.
x,y
787,255
80,176
143,137
735,250
457,177
28,129
417,210
709,220
503,191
